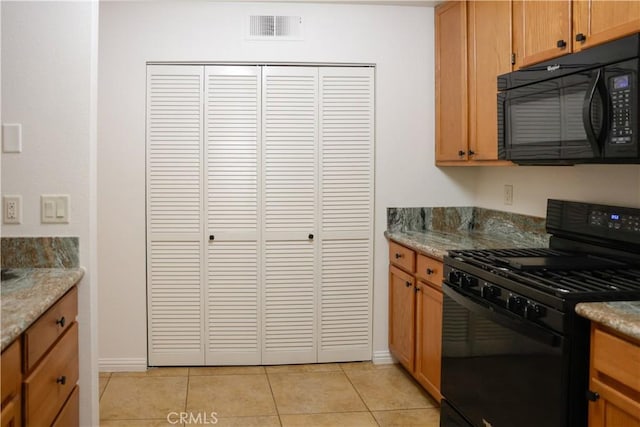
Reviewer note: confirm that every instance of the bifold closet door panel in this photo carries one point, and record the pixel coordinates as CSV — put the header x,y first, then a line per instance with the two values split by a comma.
x,y
174,215
232,156
289,215
346,128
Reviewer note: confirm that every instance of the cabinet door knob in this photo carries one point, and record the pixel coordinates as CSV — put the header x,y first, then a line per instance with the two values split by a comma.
x,y
61,380
211,237
461,153
310,236
61,321
417,289
472,153
592,395
398,255
581,37
430,271
561,44
408,284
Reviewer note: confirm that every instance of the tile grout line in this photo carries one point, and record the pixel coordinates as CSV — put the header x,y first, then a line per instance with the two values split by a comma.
x,y
359,395
273,396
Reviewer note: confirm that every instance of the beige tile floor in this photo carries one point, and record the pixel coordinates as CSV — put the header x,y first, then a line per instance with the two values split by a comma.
x,y
345,394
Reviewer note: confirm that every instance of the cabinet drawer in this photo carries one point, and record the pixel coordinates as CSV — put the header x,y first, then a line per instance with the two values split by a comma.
x,y
69,416
49,385
429,270
46,330
403,257
11,375
616,358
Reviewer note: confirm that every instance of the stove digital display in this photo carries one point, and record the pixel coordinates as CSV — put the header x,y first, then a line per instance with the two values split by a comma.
x,y
615,217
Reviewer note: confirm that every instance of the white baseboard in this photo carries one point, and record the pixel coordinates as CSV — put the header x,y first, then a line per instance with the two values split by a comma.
x,y
122,364
382,357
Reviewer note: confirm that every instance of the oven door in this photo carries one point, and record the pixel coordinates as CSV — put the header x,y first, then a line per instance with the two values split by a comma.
x,y
499,370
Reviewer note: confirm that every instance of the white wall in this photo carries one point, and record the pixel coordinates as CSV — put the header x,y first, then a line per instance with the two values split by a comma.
x,y
399,40
49,85
533,185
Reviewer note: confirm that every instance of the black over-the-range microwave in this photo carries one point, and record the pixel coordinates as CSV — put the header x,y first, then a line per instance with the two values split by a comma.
x,y
579,108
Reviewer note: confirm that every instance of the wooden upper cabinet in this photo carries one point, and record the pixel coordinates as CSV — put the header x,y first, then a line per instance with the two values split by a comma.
x,y
599,21
451,81
489,42
541,30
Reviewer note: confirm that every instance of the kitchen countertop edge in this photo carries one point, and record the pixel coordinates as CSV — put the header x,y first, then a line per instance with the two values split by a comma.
x,y
620,316
29,295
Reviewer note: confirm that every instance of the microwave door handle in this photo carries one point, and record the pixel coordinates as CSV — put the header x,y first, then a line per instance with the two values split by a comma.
x,y
596,86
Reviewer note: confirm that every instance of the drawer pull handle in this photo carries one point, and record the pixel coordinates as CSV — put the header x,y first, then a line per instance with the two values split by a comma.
x,y
430,271
399,255
211,237
61,380
310,236
61,321
408,284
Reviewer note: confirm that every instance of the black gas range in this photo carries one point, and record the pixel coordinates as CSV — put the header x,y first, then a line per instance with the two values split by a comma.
x,y
514,352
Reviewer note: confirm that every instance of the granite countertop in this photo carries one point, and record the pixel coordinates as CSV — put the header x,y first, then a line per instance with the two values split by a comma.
x,y
437,243
621,316
28,292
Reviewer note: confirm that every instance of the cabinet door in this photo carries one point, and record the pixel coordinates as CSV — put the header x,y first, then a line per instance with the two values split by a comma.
x,y
175,223
489,56
232,186
541,30
599,21
613,409
451,81
401,316
289,154
346,208
428,338
10,415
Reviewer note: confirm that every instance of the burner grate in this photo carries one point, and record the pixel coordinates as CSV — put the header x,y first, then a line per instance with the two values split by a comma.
x,y
565,282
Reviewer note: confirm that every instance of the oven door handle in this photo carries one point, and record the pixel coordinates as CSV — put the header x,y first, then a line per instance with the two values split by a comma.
x,y
503,317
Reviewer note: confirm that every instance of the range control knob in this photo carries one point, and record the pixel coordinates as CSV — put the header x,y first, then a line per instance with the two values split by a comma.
x,y
516,304
533,311
454,277
468,281
490,292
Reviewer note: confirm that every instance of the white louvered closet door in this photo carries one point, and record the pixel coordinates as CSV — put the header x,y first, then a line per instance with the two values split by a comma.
x,y
174,215
232,141
346,210
289,118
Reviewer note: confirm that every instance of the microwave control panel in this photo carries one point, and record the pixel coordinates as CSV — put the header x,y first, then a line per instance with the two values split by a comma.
x,y
621,130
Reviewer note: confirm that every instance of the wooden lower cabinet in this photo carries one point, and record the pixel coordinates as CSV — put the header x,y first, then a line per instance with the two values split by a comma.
x,y
428,338
614,379
401,323
415,316
40,370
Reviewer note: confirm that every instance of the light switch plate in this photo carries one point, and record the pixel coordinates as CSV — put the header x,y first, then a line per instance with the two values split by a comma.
x,y
12,138
12,209
54,208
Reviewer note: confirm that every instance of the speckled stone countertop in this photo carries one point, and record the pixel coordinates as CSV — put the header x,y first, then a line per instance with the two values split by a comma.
x,y
437,243
621,316
433,231
28,292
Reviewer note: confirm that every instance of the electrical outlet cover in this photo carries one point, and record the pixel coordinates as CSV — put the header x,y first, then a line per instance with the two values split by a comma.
x,y
12,209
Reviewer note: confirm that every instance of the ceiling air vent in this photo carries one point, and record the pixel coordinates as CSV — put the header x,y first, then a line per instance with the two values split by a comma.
x,y
270,27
